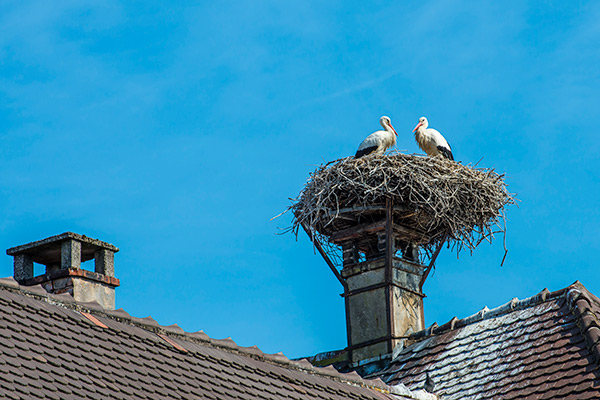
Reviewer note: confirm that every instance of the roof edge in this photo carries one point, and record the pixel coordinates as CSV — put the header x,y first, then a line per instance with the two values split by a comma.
x,y
581,303
485,313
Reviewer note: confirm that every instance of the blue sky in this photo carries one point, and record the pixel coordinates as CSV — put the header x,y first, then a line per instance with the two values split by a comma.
x,y
176,132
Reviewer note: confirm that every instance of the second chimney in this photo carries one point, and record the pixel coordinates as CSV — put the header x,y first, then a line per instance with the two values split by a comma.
x,y
62,256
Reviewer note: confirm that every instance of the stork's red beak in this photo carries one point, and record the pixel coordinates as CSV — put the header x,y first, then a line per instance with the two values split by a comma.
x,y
417,127
393,130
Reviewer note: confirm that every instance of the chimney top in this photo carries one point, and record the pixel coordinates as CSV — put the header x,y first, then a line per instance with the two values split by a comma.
x,y
62,255
44,251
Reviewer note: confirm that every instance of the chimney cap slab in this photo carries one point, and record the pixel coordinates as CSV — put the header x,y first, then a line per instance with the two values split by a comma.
x,y
47,251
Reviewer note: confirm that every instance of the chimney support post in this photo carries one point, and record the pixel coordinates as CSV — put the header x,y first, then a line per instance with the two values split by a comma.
x,y
70,254
389,255
349,253
23,267
104,262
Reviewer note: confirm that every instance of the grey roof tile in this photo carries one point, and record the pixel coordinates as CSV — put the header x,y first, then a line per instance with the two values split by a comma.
x,y
535,348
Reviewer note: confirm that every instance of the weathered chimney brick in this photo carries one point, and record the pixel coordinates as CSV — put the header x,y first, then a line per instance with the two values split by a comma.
x,y
104,260
70,254
23,267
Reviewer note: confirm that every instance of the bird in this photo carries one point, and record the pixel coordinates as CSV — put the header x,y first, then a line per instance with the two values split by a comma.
x,y
431,141
380,141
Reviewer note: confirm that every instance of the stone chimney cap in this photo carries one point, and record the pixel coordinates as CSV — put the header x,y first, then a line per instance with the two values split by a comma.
x,y
46,251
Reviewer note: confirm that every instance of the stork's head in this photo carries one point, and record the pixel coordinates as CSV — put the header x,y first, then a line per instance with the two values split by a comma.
x,y
422,123
386,122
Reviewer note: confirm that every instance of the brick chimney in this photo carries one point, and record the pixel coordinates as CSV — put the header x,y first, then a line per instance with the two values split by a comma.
x,y
62,256
384,303
381,276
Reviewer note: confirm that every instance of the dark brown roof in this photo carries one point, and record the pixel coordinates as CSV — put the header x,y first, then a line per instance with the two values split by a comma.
x,y
54,348
544,347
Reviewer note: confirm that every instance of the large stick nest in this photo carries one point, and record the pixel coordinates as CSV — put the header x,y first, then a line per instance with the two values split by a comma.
x,y
434,198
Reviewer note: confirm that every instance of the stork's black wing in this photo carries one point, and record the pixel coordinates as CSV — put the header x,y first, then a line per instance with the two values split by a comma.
x,y
446,152
365,151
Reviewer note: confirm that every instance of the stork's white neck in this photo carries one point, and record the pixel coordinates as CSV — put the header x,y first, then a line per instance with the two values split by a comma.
x,y
391,135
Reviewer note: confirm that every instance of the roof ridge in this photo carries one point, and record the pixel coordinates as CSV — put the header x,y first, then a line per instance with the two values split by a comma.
x,y
485,313
227,344
581,304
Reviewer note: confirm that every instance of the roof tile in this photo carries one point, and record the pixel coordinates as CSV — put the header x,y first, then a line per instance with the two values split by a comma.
x,y
60,353
524,349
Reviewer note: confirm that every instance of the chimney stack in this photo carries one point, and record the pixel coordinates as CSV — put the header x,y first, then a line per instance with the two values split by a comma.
x,y
62,256
383,291
381,278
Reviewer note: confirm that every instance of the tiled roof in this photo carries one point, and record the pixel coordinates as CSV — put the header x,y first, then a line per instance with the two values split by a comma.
x,y
52,347
544,347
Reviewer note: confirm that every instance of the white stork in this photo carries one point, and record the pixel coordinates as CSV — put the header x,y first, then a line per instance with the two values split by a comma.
x,y
380,141
431,141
